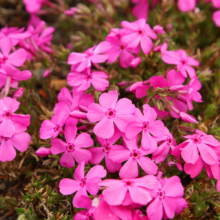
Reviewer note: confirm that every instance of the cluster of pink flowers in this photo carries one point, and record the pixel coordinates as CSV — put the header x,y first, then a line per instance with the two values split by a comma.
x,y
133,143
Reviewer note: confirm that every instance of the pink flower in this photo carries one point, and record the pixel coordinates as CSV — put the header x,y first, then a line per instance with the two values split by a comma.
x,y
71,11
51,129
10,122
216,18
161,48
120,48
148,124
198,143
139,190
43,152
134,156
82,184
140,33
18,93
84,80
168,199
159,29
182,61
33,6
186,5
109,112
92,55
19,140
216,3
98,153
16,58
140,10
73,149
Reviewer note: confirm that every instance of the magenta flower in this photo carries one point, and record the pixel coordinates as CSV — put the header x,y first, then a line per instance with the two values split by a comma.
x,y
16,58
84,80
140,33
139,190
43,152
82,184
186,5
19,140
33,6
134,156
168,199
98,153
216,18
148,124
120,48
158,29
182,61
216,3
10,122
92,55
198,143
73,149
51,129
109,112
140,10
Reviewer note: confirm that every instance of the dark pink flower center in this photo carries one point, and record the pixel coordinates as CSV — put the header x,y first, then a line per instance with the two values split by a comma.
x,y
57,128
5,138
89,54
122,47
88,77
110,113
70,147
135,154
83,182
90,216
7,114
197,140
128,182
3,59
106,148
140,32
184,62
145,126
161,194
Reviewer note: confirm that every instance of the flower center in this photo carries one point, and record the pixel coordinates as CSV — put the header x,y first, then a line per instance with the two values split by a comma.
x,y
70,147
184,62
5,138
135,154
145,126
161,194
88,77
3,59
83,182
197,140
111,113
57,128
90,216
7,114
140,32
122,47
89,54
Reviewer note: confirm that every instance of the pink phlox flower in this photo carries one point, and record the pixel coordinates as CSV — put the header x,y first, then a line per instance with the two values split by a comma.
x,y
120,48
195,145
14,59
216,3
92,55
71,11
13,75
18,93
52,128
135,62
158,29
190,92
19,140
140,10
110,111
186,5
14,34
216,18
73,148
139,190
168,200
134,156
33,6
107,146
161,48
182,60
83,183
166,143
84,80
10,122
148,125
43,152
138,215
141,33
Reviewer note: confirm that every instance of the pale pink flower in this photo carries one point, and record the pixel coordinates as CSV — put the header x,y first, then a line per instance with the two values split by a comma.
x,y
82,184
92,55
148,125
107,146
182,60
216,18
19,140
139,190
134,156
73,148
198,143
84,80
168,199
110,112
186,5
140,33
10,122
